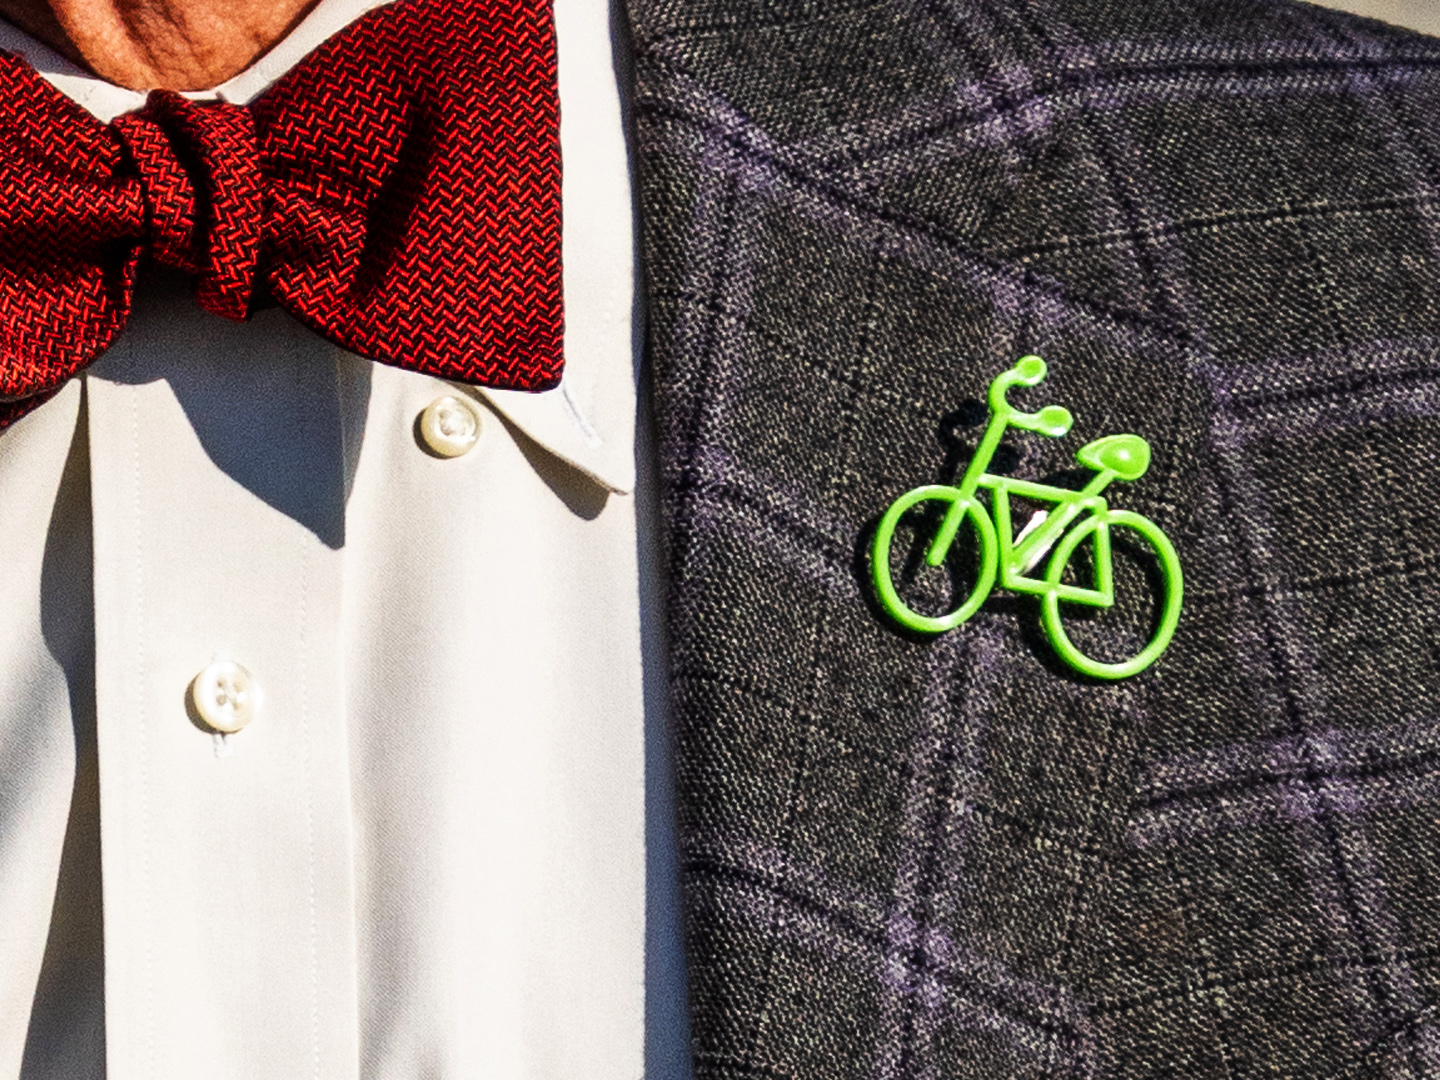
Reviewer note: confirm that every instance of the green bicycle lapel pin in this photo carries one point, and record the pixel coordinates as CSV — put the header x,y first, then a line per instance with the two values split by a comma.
x,y
1010,558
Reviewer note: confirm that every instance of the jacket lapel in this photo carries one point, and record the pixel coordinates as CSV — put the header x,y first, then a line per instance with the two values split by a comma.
x,y
953,855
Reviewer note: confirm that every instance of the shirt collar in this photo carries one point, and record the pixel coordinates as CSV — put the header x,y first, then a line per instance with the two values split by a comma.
x,y
588,420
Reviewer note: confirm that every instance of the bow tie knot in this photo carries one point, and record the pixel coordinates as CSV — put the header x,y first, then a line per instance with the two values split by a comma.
x,y
203,192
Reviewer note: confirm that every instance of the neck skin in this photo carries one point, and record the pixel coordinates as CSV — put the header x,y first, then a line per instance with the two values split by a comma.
x,y
159,44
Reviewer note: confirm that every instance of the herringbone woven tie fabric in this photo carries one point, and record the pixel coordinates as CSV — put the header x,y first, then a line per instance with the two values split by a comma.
x,y
399,192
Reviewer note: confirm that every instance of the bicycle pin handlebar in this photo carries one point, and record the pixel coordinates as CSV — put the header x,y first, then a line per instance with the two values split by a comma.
x,y
1052,420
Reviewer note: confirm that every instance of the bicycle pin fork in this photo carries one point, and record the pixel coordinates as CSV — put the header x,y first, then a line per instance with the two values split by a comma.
x,y
1052,420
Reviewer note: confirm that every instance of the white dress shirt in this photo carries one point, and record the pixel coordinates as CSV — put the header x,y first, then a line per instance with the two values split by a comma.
x,y
424,855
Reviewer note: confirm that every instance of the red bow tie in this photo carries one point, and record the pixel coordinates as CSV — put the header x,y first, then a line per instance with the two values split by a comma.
x,y
398,191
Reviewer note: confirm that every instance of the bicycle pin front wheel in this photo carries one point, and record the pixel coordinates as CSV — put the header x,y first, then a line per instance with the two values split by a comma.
x,y
1172,586
885,589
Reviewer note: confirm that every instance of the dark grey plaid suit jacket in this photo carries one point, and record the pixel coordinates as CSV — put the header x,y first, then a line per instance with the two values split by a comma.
x,y
1219,220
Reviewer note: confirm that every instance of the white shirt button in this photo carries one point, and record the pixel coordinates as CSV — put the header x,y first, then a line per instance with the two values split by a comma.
x,y
450,426
225,696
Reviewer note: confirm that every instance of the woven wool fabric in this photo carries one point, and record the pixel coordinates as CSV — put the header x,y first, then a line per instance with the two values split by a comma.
x,y
399,192
953,857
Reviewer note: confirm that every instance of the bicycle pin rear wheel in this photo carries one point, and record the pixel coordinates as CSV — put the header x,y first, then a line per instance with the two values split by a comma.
x,y
880,560
1172,584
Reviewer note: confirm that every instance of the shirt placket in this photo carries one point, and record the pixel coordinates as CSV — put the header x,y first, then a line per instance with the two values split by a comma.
x,y
218,497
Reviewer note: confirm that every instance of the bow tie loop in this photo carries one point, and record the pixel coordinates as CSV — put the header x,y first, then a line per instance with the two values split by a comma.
x,y
199,171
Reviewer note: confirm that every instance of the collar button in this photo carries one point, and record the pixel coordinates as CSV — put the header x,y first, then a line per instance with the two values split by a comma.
x,y
450,426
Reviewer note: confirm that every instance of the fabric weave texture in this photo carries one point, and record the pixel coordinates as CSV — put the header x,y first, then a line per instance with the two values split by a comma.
x,y
399,192
955,857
